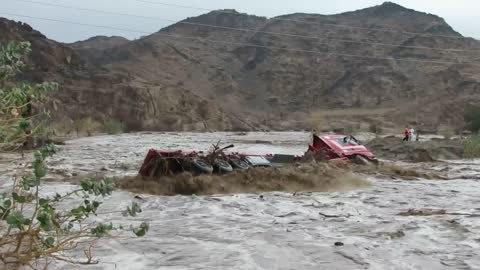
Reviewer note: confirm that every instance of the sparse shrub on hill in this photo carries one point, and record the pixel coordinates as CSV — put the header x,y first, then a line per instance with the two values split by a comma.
x,y
471,148
113,126
472,118
86,126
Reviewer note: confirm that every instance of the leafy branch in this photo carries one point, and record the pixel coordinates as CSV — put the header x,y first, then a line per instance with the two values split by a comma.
x,y
33,227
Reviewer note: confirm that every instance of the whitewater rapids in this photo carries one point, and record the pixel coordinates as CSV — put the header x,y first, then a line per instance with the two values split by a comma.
x,y
278,230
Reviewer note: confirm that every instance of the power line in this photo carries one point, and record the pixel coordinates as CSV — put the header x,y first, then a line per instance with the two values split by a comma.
x,y
306,22
250,30
249,44
79,23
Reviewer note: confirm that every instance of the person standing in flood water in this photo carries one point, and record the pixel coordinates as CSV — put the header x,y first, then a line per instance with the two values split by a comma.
x,y
412,134
407,135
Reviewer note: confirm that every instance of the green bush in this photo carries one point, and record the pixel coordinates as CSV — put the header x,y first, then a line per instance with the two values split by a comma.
x,y
113,127
22,112
471,148
36,229
472,118
87,126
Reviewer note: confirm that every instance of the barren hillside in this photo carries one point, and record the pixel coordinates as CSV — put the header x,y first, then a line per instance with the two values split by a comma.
x,y
227,70
97,94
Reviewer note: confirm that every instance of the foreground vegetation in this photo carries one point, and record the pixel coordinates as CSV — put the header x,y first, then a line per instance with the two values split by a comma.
x,y
37,229
22,114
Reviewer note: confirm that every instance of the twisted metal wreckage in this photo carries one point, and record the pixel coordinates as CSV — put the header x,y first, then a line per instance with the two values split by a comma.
x,y
332,148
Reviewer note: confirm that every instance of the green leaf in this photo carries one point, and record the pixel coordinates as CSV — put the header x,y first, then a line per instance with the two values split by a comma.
x,y
142,230
23,124
18,198
48,151
68,227
79,212
98,187
45,221
28,182
17,220
39,169
27,221
139,232
85,185
49,242
7,204
57,197
102,229
43,202
47,218
132,210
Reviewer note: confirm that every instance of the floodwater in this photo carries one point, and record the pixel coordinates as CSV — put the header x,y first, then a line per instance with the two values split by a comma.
x,y
279,230
123,154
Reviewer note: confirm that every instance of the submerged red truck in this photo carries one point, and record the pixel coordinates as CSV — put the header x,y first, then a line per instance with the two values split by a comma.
x,y
332,147
336,147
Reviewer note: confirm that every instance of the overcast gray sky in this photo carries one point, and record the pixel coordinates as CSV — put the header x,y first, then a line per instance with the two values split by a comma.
x,y
462,15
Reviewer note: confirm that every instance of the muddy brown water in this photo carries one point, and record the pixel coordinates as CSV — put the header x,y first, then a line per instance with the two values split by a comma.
x,y
277,230
289,178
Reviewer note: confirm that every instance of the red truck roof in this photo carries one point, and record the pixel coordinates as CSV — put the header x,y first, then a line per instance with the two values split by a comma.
x,y
342,145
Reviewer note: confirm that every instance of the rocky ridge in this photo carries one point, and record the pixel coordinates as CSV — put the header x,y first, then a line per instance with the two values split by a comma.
x,y
228,70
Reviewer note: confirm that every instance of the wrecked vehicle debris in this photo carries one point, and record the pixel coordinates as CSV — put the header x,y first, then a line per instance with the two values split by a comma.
x,y
334,148
340,148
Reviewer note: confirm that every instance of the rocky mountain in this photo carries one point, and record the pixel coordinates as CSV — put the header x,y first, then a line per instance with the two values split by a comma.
x,y
87,49
90,95
226,70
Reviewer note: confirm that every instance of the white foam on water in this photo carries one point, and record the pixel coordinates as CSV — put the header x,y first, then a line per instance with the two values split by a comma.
x,y
282,231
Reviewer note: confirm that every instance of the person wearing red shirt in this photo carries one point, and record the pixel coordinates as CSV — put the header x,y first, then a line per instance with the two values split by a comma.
x,y
407,134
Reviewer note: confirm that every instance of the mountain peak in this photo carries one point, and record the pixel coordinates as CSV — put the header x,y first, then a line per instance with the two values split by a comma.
x,y
391,7
389,4
384,10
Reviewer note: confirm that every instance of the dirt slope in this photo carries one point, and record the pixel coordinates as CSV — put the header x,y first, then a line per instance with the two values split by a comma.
x,y
93,92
